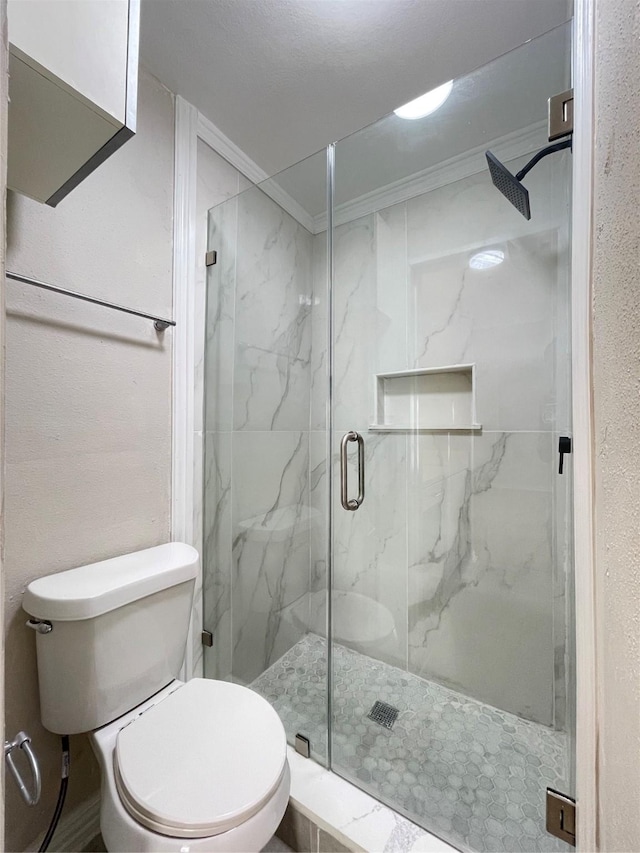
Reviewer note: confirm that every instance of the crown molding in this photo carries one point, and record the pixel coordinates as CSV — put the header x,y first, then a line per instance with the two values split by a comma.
x,y
472,162
510,146
216,139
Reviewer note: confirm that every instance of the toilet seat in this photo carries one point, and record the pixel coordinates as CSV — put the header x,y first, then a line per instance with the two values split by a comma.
x,y
200,761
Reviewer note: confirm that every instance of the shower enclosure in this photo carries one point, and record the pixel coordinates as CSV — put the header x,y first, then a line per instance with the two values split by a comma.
x,y
388,547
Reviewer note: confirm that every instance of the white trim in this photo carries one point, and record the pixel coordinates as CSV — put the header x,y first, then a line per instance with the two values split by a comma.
x,y
472,162
76,829
583,479
184,235
221,144
215,138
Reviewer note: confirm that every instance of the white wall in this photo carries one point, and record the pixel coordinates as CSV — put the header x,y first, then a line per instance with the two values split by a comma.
x,y
616,337
88,403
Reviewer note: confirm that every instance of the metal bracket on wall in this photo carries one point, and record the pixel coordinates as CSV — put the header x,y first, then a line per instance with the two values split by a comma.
x,y
207,639
561,816
210,258
561,115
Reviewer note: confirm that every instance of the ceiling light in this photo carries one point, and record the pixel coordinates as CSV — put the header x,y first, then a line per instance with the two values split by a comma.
x,y
426,104
486,259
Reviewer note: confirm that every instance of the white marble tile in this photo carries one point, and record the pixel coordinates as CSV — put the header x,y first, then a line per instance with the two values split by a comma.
x,y
485,627
271,521
357,323
501,319
220,323
319,501
217,181
392,277
197,614
348,812
217,553
272,318
319,335
370,551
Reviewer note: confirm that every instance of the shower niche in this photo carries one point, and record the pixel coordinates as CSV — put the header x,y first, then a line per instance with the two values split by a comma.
x,y
432,399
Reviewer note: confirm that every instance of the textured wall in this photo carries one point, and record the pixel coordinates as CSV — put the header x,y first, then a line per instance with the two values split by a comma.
x,y
88,404
616,352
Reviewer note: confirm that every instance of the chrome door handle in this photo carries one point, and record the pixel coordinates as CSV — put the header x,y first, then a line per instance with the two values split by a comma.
x,y
351,504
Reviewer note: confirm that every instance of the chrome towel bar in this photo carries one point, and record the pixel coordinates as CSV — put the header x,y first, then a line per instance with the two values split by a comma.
x,y
159,322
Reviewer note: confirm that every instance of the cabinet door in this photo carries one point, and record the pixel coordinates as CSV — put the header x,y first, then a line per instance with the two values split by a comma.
x,y
73,90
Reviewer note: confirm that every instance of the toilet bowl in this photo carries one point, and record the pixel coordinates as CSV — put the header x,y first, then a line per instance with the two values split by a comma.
x,y
195,766
199,767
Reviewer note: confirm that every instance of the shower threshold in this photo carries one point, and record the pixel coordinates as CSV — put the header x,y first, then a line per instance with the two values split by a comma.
x,y
469,773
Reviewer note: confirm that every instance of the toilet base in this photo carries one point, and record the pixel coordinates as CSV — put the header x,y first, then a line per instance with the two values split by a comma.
x,y
122,834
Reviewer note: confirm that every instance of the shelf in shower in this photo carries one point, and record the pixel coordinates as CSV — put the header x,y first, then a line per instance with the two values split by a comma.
x,y
430,399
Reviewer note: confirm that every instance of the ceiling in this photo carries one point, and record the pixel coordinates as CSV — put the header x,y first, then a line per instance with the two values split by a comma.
x,y
282,78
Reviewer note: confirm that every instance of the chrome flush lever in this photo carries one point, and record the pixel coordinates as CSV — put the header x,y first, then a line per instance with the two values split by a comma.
x,y
351,504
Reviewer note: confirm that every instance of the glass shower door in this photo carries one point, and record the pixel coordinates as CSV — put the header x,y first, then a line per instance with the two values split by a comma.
x,y
265,447
451,670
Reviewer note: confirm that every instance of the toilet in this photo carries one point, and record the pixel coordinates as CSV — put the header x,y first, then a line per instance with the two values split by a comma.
x,y
195,766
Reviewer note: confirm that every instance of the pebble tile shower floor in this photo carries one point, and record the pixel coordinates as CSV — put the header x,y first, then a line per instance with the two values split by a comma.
x,y
473,775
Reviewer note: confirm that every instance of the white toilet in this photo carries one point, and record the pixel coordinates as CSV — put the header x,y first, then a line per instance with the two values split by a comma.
x,y
196,766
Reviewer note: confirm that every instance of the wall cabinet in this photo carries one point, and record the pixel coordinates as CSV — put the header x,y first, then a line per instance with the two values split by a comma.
x,y
73,67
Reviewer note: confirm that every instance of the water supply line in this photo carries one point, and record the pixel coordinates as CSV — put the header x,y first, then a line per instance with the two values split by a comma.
x,y
62,793
31,797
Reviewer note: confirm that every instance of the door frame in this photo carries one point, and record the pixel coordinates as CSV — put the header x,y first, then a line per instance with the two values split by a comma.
x,y
583,458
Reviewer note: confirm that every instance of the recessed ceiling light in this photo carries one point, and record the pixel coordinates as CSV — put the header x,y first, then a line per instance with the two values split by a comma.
x,y
425,104
486,259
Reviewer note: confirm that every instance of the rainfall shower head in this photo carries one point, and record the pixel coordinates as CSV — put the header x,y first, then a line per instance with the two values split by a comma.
x,y
511,185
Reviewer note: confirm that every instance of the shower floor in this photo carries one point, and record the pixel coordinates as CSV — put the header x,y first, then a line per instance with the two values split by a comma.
x,y
473,775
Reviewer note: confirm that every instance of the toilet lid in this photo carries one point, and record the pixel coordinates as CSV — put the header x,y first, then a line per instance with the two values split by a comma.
x,y
201,761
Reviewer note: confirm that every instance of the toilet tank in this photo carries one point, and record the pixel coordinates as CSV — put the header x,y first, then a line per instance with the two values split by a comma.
x,y
118,634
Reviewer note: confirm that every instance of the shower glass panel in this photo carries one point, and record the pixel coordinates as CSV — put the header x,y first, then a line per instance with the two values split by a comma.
x,y
265,449
451,663
387,382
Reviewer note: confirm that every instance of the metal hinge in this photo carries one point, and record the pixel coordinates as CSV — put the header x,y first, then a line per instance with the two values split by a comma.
x,y
561,816
303,745
210,258
207,638
561,115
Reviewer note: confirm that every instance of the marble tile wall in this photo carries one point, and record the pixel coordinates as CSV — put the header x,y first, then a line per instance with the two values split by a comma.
x,y
259,517
455,566
463,537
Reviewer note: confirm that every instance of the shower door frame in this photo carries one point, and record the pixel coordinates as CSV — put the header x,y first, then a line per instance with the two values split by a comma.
x,y
186,494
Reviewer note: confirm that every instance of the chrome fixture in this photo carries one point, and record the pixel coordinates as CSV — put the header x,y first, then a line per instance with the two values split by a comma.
x,y
23,741
560,115
351,504
39,625
159,323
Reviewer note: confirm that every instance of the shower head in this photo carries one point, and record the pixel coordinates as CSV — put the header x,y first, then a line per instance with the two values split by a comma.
x,y
509,185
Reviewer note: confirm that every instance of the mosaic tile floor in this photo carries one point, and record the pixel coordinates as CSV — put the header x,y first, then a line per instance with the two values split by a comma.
x,y
471,774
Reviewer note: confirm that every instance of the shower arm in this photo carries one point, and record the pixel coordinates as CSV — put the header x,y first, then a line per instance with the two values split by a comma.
x,y
550,149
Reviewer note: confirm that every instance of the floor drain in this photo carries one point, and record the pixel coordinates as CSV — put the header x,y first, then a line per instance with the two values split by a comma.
x,y
383,714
